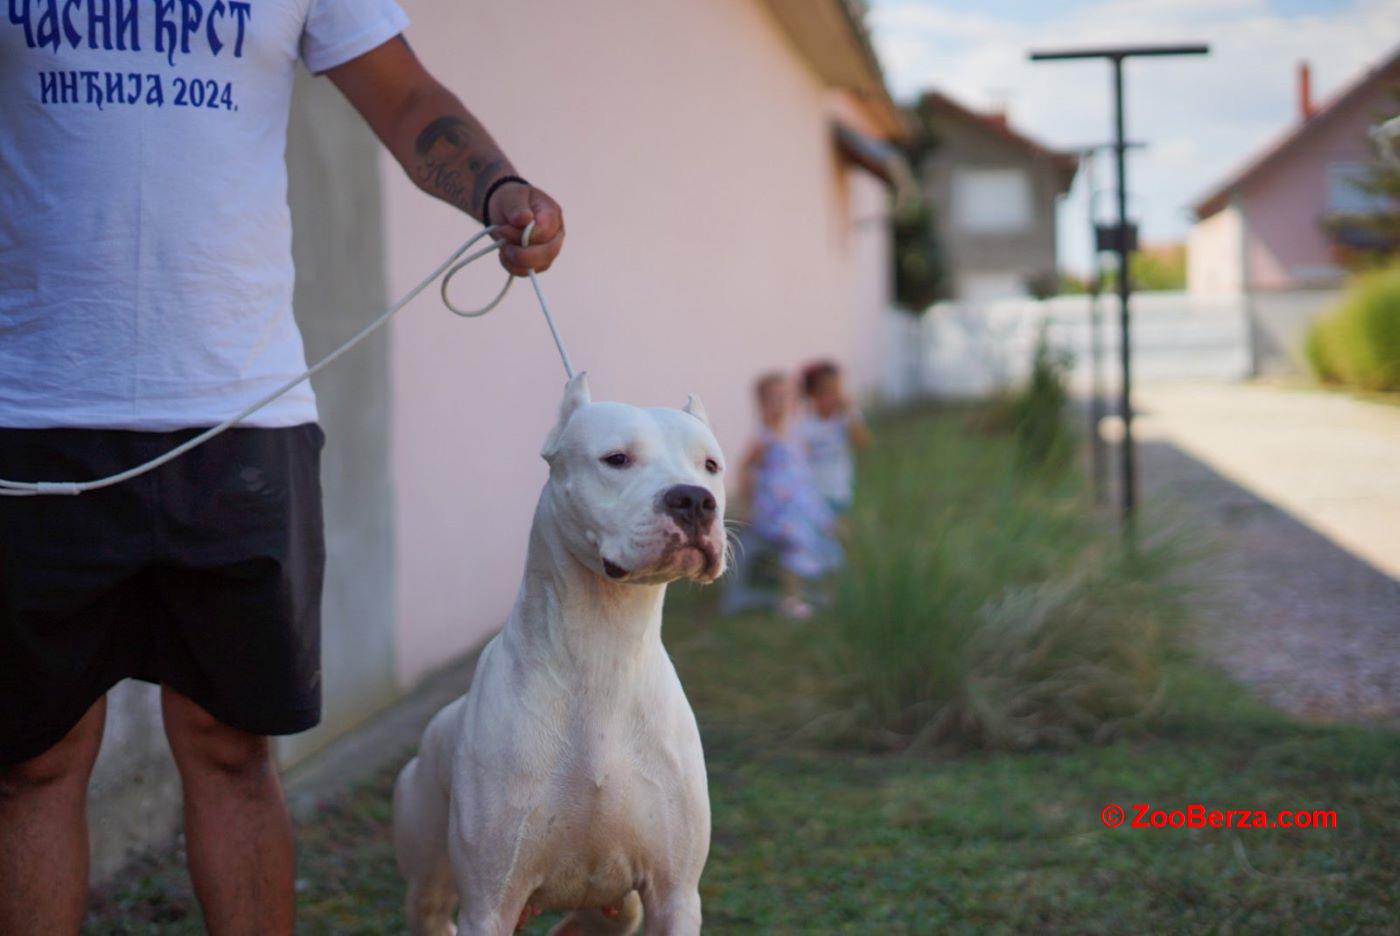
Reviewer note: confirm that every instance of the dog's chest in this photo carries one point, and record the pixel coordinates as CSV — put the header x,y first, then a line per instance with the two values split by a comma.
x,y
609,809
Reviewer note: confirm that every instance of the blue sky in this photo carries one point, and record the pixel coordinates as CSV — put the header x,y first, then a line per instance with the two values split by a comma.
x,y
1200,117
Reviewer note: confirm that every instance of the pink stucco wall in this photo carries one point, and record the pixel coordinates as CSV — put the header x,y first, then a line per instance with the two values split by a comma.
x,y
1213,253
712,235
1285,201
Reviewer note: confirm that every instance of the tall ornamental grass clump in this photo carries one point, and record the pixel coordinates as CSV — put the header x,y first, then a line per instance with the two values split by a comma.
x,y
983,606
1358,342
1043,437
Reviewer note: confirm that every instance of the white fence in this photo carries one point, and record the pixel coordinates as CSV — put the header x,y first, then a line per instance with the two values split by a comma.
x,y
968,349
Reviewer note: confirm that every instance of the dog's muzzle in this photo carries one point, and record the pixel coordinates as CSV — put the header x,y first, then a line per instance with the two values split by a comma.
x,y
693,509
688,549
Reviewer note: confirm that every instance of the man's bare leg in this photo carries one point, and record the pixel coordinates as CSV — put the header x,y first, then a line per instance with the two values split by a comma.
x,y
237,833
43,833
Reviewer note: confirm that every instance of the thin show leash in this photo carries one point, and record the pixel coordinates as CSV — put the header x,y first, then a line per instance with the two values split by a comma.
x,y
449,268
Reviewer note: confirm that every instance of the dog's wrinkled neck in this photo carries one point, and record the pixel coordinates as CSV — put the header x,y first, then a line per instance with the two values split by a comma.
x,y
566,607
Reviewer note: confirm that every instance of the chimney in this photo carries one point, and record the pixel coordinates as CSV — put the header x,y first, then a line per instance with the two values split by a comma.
x,y
997,116
1305,101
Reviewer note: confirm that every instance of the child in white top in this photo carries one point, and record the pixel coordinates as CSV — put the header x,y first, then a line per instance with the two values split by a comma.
x,y
829,431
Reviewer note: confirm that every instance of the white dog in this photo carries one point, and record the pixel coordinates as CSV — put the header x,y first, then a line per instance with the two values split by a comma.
x,y
570,776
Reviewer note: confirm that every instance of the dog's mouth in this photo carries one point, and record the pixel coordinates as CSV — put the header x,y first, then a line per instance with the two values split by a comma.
x,y
701,547
708,555
679,559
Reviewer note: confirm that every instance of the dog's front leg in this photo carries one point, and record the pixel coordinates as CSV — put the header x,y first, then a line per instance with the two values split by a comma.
x,y
501,920
484,925
495,900
672,911
495,903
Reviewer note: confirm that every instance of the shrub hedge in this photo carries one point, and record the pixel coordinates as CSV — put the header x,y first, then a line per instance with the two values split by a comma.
x,y
1358,342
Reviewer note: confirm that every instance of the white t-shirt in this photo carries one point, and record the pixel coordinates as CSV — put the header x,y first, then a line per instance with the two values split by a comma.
x,y
827,443
145,239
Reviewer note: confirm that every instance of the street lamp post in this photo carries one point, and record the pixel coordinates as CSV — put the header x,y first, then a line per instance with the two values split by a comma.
x,y
1116,56
1088,156
1100,457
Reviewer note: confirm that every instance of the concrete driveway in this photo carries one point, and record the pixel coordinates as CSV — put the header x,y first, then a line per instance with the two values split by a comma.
x,y
1295,496
1330,460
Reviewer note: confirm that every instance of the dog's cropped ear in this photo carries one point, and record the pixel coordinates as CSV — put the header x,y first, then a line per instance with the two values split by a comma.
x,y
575,395
694,407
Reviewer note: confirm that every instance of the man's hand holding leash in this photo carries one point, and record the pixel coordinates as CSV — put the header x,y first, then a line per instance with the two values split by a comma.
x,y
513,206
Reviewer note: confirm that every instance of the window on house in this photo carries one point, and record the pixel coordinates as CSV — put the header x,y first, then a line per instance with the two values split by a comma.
x,y
991,201
1345,194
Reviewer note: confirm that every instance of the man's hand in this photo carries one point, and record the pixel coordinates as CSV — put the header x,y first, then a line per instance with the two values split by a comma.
x,y
856,429
446,151
514,206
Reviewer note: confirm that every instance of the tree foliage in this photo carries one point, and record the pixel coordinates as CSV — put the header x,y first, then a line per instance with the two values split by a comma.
x,y
1371,239
920,272
921,275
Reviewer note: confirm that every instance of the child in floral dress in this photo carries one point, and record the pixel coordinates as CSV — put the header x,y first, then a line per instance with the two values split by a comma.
x,y
785,508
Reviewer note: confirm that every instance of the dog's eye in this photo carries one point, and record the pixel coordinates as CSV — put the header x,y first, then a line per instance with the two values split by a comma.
x,y
617,460
711,466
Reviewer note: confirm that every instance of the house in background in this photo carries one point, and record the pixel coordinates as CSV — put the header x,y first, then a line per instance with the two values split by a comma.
x,y
1265,226
1269,233
714,160
994,191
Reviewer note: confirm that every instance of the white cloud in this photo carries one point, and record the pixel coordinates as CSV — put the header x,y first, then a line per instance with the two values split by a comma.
x,y
1200,116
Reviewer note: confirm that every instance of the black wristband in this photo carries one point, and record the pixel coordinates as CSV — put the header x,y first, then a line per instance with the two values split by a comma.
x,y
486,202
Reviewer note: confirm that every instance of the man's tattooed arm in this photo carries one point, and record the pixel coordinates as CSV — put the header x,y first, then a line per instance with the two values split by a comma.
x,y
442,147
446,151
456,160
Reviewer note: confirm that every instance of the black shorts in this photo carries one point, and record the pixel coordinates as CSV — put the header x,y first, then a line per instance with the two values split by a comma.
x,y
203,575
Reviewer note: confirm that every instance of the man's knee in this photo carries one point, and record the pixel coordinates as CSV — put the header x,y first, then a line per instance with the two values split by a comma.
x,y
69,762
206,748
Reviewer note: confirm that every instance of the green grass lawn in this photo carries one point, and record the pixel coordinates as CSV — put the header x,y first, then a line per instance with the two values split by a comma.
x,y
810,839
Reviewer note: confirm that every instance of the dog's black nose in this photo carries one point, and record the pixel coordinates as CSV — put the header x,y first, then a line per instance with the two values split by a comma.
x,y
690,505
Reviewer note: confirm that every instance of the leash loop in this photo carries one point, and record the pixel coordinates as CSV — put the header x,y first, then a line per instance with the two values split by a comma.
x,y
454,264
460,265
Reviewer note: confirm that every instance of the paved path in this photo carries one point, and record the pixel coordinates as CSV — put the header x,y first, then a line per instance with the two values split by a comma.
x,y
1330,460
1301,491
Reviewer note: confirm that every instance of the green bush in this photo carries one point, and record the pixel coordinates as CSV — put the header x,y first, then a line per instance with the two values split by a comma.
x,y
1318,353
984,607
1358,342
